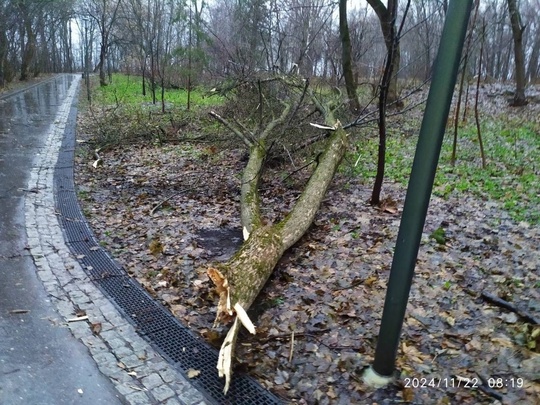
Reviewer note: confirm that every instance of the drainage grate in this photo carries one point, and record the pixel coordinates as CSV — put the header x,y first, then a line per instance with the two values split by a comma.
x,y
94,260
66,201
188,352
168,336
137,304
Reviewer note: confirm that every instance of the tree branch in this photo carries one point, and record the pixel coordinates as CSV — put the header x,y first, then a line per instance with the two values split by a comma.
x,y
296,223
231,127
507,305
274,123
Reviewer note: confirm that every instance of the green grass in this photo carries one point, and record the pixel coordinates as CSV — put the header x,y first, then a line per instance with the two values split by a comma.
x,y
126,90
512,175
125,116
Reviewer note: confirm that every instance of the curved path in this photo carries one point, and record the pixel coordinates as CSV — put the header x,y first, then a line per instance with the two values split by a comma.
x,y
61,340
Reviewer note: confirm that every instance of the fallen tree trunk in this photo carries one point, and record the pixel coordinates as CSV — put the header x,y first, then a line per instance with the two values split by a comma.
x,y
239,281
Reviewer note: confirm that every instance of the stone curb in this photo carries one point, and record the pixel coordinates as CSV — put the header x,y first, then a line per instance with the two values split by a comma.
x,y
138,372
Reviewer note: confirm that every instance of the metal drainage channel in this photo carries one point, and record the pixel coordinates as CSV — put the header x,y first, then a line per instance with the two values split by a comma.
x,y
154,322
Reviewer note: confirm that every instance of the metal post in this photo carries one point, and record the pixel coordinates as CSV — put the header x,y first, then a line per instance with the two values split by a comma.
x,y
419,190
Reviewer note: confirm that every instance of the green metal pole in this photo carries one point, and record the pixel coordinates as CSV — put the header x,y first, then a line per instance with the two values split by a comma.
x,y
421,184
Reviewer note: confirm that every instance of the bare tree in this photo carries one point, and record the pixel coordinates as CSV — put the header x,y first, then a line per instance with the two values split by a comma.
x,y
346,57
425,22
519,54
134,22
242,41
532,46
28,36
385,92
387,18
306,22
104,13
464,70
6,24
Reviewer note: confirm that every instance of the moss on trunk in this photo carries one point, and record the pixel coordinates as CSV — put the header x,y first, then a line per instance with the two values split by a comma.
x,y
240,280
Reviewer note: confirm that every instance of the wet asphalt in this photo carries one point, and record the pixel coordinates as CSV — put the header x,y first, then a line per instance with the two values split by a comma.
x,y
40,360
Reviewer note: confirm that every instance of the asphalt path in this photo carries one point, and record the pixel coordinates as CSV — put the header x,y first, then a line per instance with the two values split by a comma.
x,y
40,360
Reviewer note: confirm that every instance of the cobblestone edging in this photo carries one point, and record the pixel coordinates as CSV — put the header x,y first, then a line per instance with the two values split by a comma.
x,y
138,372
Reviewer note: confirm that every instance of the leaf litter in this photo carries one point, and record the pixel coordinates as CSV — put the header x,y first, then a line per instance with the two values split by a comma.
x,y
167,213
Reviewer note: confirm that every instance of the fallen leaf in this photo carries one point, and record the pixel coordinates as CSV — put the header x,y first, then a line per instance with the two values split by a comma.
x,y
192,373
80,312
389,205
370,280
96,328
503,341
408,394
509,317
474,344
155,247
136,388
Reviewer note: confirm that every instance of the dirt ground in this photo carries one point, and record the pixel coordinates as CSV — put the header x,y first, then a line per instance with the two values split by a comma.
x,y
166,213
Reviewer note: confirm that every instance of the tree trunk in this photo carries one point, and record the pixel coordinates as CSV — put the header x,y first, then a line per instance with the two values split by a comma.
x,y
346,58
381,153
3,57
240,280
464,72
102,59
388,92
386,17
533,71
104,13
30,47
519,55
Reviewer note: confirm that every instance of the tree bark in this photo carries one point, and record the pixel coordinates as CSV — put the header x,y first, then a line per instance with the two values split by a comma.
x,y
239,281
386,17
3,57
533,72
346,57
102,58
388,88
519,54
29,48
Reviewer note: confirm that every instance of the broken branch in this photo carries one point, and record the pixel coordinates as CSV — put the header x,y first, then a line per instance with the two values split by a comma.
x,y
507,305
231,127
